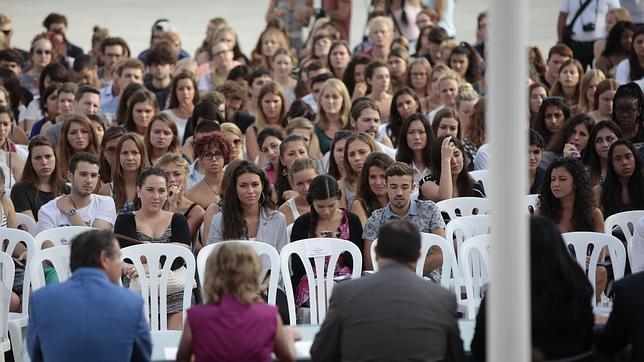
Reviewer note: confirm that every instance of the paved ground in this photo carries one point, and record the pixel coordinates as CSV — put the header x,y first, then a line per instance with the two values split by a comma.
x,y
132,19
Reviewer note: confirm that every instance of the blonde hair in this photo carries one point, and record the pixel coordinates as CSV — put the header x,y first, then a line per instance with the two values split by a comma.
x,y
185,65
620,14
299,123
231,128
584,105
233,268
339,87
381,20
177,159
271,87
428,69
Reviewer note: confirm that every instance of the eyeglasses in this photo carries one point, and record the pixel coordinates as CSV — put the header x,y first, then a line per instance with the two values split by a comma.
x,y
211,155
42,51
627,111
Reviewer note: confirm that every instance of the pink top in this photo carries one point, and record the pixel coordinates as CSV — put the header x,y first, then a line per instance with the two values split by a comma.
x,y
231,331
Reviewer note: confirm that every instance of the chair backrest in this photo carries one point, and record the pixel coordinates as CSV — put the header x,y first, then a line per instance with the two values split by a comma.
x,y
465,206
320,282
61,235
450,265
485,177
8,270
58,256
462,228
5,301
626,222
28,222
154,286
289,228
474,263
10,239
261,249
532,202
579,242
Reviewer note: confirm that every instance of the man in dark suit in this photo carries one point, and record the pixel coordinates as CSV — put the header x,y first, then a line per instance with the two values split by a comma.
x,y
626,322
89,317
392,315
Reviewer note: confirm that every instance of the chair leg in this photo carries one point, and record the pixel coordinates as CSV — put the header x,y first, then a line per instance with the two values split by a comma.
x,y
16,337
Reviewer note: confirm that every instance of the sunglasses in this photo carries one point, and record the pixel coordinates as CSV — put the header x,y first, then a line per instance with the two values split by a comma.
x,y
211,155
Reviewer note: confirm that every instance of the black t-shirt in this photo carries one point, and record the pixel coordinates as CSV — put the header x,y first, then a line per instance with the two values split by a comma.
x,y
243,120
161,93
28,198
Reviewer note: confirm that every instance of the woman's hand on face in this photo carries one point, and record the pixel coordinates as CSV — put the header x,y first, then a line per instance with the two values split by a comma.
x,y
447,149
570,151
173,195
359,90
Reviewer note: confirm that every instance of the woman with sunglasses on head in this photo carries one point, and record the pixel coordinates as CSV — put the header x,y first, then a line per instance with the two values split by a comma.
x,y
150,223
176,168
214,153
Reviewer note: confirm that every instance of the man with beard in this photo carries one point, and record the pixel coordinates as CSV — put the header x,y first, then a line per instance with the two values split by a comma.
x,y
81,207
424,213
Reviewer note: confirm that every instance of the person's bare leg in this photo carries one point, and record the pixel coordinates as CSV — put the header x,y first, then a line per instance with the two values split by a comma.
x,y
175,321
601,280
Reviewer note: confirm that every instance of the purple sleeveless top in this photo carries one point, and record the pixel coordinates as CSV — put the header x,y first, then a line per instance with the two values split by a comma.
x,y
231,331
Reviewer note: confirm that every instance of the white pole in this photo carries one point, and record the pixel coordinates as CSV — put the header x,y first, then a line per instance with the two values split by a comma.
x,y
508,301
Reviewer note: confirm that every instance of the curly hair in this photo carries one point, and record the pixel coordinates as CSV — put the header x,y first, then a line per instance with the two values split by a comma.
x,y
561,137
473,72
233,222
216,141
349,74
550,206
591,158
322,187
365,195
233,268
611,196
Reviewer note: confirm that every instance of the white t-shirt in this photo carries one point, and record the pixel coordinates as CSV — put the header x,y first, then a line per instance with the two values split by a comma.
x,y
482,158
595,13
180,122
99,208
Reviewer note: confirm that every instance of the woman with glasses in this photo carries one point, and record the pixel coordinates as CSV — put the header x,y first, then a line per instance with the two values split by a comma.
x,y
214,153
627,111
41,54
418,80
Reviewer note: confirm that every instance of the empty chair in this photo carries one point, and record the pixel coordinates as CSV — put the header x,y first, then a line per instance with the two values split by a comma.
x,y
578,243
624,223
18,321
462,228
484,176
60,235
58,256
465,206
474,263
154,283
532,202
320,282
261,249
27,222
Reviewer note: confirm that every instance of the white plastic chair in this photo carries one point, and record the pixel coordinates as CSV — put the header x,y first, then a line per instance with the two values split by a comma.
x,y
155,297
580,241
465,206
320,282
532,202
61,235
450,265
28,222
58,256
260,249
485,177
8,272
18,321
289,229
626,222
475,271
462,228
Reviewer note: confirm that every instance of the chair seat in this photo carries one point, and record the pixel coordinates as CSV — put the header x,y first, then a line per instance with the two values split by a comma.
x,y
5,345
20,319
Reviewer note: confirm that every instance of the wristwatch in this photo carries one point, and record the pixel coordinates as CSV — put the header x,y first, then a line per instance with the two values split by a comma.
x,y
71,212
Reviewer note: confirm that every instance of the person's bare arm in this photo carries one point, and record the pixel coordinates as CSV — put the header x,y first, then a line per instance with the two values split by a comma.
x,y
185,345
283,345
367,255
7,205
105,190
561,25
288,214
273,12
342,13
102,224
435,259
252,148
439,6
17,165
356,208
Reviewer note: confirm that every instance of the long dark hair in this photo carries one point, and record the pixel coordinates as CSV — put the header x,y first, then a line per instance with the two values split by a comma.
x,y
322,187
365,195
464,182
233,222
405,153
591,158
473,73
613,40
611,198
140,96
174,99
569,299
150,171
550,206
395,120
540,121
561,138
29,175
122,110
333,166
637,71
282,182
348,78
110,134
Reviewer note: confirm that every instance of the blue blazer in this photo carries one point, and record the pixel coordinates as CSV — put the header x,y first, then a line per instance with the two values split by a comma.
x,y
87,318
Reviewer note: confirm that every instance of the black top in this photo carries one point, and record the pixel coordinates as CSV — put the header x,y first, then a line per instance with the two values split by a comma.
x,y
243,120
539,176
300,231
180,232
28,198
161,93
